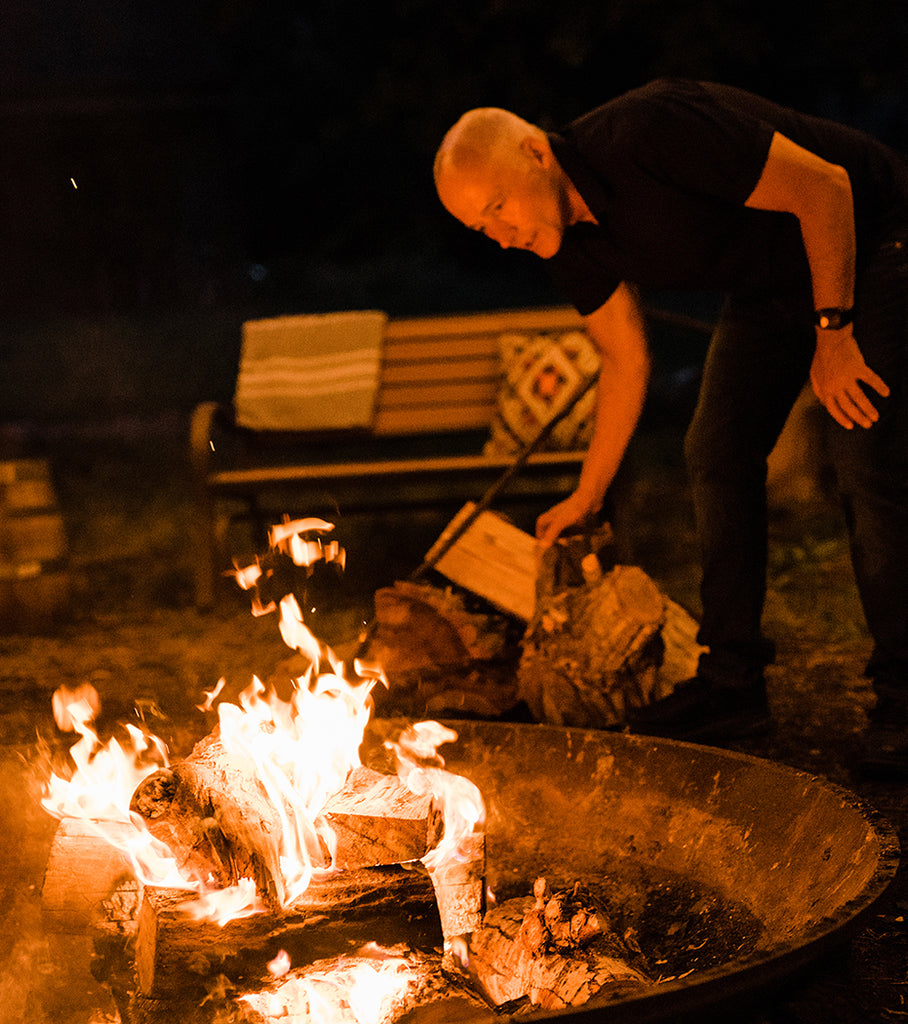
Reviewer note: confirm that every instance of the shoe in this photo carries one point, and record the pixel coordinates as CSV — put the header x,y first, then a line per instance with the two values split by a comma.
x,y
699,711
885,753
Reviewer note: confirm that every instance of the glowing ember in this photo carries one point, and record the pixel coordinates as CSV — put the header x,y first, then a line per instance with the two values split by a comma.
x,y
367,988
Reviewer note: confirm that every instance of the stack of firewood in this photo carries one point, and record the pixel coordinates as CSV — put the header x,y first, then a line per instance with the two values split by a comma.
x,y
572,636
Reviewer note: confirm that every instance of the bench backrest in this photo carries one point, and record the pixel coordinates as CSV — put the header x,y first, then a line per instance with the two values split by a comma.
x,y
443,372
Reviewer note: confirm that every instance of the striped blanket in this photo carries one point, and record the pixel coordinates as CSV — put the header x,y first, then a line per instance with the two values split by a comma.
x,y
309,372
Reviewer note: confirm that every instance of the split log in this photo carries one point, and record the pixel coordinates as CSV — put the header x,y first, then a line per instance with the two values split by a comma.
x,y
178,953
492,558
595,649
554,949
320,992
377,820
459,884
87,882
213,813
424,628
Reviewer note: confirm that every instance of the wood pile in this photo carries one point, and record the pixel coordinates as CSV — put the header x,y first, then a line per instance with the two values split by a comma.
x,y
572,636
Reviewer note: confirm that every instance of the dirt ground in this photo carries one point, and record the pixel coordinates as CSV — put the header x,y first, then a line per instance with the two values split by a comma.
x,y
133,631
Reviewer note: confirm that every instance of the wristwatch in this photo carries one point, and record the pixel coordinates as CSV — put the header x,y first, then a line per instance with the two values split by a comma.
x,y
834,318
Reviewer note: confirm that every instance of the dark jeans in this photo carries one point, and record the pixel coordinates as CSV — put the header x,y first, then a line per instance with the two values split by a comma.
x,y
758,361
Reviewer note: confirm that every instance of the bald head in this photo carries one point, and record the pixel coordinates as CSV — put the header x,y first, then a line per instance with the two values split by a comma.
x,y
480,139
496,173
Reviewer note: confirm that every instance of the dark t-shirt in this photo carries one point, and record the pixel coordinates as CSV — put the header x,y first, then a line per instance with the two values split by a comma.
x,y
666,170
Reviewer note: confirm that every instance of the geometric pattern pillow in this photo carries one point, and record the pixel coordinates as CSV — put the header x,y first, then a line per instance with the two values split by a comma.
x,y
542,373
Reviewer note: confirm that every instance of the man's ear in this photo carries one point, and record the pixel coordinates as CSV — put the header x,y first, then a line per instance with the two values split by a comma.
x,y
537,148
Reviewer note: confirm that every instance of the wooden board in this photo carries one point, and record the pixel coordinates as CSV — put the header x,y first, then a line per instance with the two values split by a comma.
x,y
494,559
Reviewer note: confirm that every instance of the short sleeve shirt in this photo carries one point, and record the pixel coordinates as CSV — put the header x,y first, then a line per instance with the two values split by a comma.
x,y
666,170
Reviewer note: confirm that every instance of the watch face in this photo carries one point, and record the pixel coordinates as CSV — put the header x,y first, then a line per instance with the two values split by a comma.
x,y
832,319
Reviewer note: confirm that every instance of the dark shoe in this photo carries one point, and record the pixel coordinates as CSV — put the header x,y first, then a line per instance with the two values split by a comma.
x,y
885,753
701,712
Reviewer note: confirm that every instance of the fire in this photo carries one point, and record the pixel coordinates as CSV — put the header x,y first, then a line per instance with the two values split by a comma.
x,y
300,751
365,988
102,784
421,768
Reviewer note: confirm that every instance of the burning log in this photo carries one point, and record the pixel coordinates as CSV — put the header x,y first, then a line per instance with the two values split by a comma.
x,y
83,872
377,820
214,814
555,949
177,952
392,983
459,883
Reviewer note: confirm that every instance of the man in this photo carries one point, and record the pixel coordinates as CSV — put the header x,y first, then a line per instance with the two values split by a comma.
x,y
803,224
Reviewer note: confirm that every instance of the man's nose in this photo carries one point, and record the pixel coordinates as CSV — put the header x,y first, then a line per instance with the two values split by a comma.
x,y
504,235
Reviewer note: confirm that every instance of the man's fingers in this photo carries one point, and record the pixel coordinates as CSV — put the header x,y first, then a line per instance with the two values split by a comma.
x,y
877,383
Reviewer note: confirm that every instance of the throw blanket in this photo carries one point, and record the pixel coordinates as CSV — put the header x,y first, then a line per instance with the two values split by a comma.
x,y
314,372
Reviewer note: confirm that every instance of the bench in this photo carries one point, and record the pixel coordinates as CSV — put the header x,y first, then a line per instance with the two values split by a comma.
x,y
437,395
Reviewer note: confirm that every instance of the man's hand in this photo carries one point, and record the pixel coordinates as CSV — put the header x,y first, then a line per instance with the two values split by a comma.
x,y
570,512
837,372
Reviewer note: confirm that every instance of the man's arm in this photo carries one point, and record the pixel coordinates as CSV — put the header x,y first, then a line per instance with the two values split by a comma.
x,y
617,330
818,193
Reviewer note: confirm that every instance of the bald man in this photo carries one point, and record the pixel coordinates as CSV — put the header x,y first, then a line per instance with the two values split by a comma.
x,y
803,225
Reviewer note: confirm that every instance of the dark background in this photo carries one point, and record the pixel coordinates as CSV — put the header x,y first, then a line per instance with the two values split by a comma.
x,y
170,169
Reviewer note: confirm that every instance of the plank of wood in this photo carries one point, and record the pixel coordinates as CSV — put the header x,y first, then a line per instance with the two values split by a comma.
x,y
494,559
535,319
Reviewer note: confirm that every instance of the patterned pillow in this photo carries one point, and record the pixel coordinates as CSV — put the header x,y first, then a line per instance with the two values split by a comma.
x,y
542,373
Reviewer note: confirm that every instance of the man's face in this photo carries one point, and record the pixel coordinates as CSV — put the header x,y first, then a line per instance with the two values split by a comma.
x,y
515,200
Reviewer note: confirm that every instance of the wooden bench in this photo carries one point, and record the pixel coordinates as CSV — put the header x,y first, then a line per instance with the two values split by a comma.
x,y
438,385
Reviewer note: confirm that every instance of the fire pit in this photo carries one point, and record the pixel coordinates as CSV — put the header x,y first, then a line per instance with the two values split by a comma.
x,y
760,866
666,878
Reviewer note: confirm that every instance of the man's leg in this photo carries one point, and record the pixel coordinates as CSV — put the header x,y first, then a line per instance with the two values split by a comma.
x,y
756,366
872,470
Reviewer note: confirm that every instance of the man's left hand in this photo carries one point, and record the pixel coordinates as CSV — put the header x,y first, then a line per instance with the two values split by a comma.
x,y
837,373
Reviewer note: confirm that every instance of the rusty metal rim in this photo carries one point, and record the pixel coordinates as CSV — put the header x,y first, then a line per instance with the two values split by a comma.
x,y
755,977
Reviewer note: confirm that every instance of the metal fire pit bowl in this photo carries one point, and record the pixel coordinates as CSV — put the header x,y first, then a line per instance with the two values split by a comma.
x,y
735,869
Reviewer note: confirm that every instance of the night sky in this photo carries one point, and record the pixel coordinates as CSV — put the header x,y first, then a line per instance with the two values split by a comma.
x,y
226,159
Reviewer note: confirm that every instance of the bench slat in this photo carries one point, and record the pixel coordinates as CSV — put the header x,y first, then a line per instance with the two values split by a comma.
x,y
240,479
468,368
430,419
546,318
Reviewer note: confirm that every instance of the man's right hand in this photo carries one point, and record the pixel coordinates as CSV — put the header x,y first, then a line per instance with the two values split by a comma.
x,y
570,512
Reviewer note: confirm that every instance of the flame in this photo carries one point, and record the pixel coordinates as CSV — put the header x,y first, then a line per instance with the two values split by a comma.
x,y
359,989
421,768
99,790
300,750
225,905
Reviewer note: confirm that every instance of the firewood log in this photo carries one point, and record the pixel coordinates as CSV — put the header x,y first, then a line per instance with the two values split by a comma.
x,y
213,813
377,820
593,650
84,871
178,953
320,992
460,887
554,949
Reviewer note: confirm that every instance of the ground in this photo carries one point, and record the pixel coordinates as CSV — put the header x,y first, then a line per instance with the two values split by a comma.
x,y
132,631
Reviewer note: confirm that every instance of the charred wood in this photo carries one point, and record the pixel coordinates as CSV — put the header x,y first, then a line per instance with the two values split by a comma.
x,y
553,949
215,816
176,952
